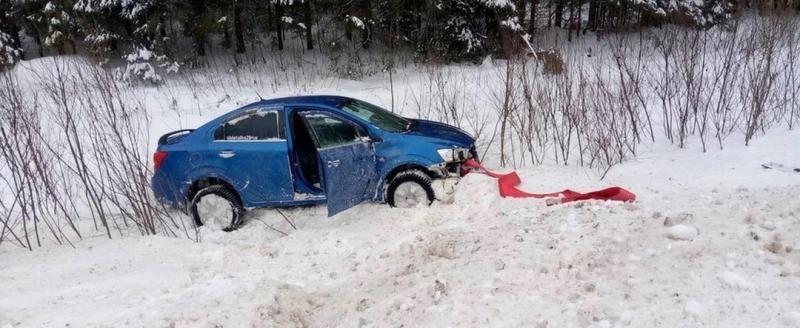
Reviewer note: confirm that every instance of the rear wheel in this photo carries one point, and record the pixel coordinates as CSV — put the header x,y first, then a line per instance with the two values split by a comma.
x,y
217,207
410,189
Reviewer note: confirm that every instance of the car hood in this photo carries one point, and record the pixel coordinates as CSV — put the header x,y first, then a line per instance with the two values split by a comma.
x,y
441,131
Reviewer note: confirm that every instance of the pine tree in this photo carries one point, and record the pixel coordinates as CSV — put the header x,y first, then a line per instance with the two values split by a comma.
x,y
9,52
148,32
34,22
60,24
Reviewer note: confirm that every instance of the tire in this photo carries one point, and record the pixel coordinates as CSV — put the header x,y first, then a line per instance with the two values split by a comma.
x,y
414,181
236,209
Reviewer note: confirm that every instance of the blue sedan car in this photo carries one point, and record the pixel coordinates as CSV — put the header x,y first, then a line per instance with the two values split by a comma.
x,y
302,151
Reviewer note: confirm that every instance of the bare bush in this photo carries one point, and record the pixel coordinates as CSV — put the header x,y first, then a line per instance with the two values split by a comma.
x,y
505,98
741,78
80,149
663,79
791,72
551,60
530,123
445,95
760,72
707,84
555,116
725,77
611,136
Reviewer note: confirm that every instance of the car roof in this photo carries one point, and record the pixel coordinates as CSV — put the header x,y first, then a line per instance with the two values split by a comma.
x,y
332,101
323,100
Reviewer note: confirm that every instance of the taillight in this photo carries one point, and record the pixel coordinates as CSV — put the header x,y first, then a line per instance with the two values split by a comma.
x,y
158,159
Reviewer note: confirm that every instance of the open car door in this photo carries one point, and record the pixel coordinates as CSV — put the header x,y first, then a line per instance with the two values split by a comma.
x,y
346,159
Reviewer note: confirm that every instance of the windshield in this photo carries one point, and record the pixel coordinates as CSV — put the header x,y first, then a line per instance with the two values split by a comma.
x,y
379,117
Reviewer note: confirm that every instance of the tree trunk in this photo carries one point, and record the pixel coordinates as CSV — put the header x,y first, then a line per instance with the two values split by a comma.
x,y
226,36
346,12
571,23
492,27
197,26
237,26
592,23
520,7
162,30
72,46
367,38
38,40
559,12
307,17
186,28
279,24
532,19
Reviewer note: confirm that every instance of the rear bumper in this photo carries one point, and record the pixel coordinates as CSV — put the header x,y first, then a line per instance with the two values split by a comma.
x,y
167,190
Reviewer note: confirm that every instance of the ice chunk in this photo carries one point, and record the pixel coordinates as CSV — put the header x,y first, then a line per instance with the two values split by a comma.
x,y
682,232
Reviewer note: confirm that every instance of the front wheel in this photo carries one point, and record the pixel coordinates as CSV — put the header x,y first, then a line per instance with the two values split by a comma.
x,y
217,207
410,189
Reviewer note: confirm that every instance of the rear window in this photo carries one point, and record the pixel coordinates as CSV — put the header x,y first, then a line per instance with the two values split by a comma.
x,y
256,126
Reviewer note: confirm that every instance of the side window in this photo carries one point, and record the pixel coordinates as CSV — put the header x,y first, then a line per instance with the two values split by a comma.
x,y
254,126
331,131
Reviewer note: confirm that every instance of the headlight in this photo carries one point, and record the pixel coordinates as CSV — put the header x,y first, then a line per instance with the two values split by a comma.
x,y
454,154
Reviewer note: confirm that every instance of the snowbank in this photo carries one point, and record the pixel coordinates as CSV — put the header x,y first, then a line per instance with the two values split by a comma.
x,y
481,261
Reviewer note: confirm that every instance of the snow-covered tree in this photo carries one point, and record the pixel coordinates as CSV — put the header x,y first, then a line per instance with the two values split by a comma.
x,y
10,47
438,30
60,26
466,29
9,52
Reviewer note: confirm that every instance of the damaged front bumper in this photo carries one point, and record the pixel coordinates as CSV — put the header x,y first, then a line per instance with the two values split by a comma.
x,y
453,160
447,174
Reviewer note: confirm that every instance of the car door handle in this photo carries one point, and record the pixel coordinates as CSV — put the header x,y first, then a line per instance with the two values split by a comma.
x,y
333,163
227,154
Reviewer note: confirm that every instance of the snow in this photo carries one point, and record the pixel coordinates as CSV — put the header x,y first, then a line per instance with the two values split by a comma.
x,y
695,308
217,210
711,241
304,196
682,232
53,37
8,53
357,22
734,280
498,3
481,261
793,319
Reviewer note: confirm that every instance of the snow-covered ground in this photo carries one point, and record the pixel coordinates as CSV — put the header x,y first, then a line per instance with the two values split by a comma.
x,y
712,240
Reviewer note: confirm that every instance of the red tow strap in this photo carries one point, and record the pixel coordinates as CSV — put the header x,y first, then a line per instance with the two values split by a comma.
x,y
508,183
